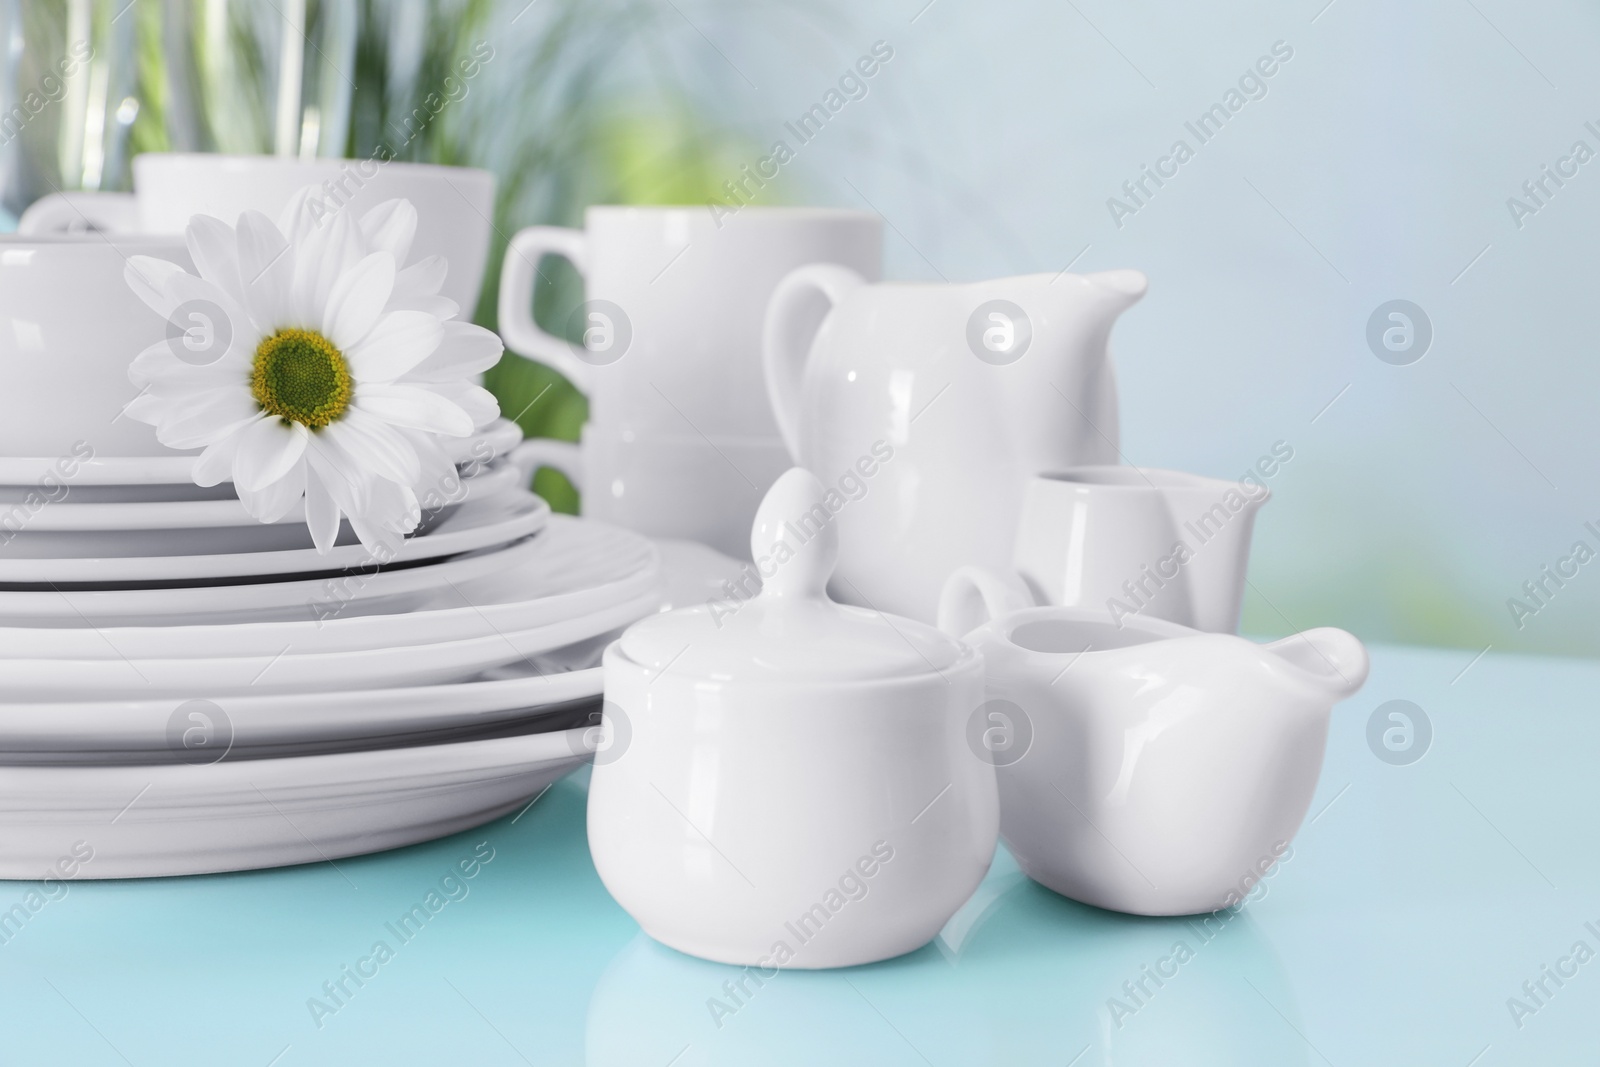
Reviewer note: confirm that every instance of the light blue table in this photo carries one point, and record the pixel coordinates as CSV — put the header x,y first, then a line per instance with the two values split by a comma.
x,y
1418,899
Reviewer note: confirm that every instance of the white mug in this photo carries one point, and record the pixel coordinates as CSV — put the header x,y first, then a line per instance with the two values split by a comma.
x,y
455,205
69,327
681,441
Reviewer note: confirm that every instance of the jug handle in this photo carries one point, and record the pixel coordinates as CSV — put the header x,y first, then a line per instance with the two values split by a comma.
x,y
973,596
1334,657
517,274
783,354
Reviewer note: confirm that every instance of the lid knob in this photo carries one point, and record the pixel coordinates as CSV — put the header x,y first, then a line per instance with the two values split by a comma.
x,y
794,536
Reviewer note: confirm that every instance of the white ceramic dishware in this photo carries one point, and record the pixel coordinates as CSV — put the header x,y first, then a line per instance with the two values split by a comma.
x,y
572,570
680,441
928,407
787,781
284,670
70,527
275,725
69,326
169,476
496,520
157,820
1151,768
1136,540
455,205
363,590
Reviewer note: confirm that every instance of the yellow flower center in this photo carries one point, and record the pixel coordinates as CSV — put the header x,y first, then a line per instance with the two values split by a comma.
x,y
300,377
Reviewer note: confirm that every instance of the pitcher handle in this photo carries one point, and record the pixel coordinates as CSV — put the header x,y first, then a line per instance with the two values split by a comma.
x,y
973,596
786,341
536,452
517,275
80,212
1334,657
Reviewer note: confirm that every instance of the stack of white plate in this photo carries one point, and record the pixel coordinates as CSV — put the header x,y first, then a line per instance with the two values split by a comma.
x,y
183,689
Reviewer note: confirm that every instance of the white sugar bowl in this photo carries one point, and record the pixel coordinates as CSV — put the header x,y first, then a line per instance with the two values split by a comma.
x,y
788,781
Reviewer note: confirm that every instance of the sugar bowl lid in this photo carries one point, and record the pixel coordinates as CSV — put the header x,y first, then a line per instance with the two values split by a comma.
x,y
791,631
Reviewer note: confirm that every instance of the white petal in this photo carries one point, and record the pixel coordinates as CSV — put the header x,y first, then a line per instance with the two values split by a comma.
x,y
392,513
268,449
215,465
302,213
413,407
214,249
465,350
272,502
160,362
266,271
210,421
474,400
147,276
146,408
425,277
399,341
322,513
357,300
328,251
440,307
389,227
376,447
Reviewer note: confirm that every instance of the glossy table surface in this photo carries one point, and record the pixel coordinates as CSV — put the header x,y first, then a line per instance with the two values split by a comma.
x,y
1416,902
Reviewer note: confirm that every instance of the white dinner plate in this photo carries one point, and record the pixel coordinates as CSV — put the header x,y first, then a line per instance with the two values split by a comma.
x,y
573,569
499,519
150,821
274,725
282,670
73,530
365,590
493,441
72,514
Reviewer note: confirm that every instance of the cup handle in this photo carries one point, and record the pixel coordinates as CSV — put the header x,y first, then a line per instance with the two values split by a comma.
x,y
536,452
786,344
80,212
973,596
521,267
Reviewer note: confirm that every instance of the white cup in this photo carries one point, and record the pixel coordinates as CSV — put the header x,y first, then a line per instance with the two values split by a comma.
x,y
455,205
69,327
1139,541
681,440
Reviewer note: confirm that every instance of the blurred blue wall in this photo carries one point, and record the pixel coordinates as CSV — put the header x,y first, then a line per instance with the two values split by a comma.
x,y
1376,166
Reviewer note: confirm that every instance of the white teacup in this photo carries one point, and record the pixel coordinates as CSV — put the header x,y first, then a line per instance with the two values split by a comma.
x,y
69,327
671,360
455,205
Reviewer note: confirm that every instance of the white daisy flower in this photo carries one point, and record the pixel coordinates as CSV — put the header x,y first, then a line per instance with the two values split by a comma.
x,y
336,372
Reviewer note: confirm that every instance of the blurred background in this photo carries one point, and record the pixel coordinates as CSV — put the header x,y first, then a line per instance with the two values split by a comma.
x,y
1393,153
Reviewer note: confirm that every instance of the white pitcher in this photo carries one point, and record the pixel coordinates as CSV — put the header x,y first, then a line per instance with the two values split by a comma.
x,y
1151,768
928,407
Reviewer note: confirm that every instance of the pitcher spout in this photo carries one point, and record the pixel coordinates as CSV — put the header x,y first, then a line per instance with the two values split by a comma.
x,y
1124,288
1327,658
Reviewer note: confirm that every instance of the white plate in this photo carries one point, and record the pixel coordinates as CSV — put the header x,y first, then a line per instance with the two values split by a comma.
x,y
71,514
263,725
497,520
359,591
493,441
573,569
71,530
149,821
281,670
